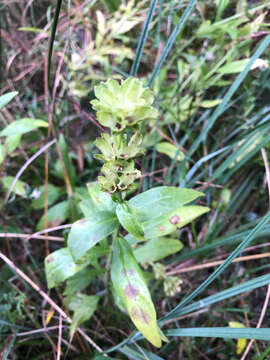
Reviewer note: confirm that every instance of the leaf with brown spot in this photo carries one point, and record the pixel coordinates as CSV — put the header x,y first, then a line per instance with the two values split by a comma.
x,y
131,288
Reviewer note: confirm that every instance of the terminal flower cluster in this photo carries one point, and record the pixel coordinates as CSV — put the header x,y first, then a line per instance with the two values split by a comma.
x,y
122,107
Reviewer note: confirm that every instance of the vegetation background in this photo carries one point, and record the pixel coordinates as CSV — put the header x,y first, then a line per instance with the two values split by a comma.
x,y
208,64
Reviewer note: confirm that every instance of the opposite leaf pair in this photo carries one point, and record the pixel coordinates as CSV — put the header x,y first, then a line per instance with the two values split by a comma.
x,y
147,217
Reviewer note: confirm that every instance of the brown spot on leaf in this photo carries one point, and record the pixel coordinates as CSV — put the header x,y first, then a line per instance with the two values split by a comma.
x,y
174,219
131,271
139,314
50,259
161,228
82,221
131,292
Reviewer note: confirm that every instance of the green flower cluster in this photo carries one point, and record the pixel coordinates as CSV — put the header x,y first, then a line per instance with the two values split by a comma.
x,y
122,108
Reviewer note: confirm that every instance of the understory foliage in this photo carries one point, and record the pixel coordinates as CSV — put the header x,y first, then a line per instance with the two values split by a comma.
x,y
134,147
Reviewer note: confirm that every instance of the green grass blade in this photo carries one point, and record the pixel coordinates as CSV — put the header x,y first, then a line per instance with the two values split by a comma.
x,y
223,332
171,40
264,354
222,295
223,266
220,109
52,37
143,38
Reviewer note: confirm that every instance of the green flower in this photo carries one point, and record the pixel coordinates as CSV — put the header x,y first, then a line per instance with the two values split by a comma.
x,y
116,147
123,105
118,175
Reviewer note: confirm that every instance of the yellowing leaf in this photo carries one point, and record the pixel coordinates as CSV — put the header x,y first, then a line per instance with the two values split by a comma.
x,y
241,343
49,316
170,150
210,103
132,290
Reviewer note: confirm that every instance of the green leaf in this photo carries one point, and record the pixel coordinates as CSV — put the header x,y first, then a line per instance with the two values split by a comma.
x,y
157,249
19,127
170,150
161,200
67,160
53,194
98,201
80,280
83,306
223,332
87,232
13,142
130,286
2,153
57,214
60,266
238,66
210,103
6,98
19,188
128,217
168,223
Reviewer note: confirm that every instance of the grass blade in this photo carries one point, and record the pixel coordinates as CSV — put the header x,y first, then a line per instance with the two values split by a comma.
x,y
52,37
223,332
171,40
143,38
225,294
222,267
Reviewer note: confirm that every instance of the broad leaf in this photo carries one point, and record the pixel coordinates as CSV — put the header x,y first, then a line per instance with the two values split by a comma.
x,y
2,153
20,187
170,150
53,194
128,217
83,307
60,266
87,232
80,280
161,200
13,142
157,249
22,126
168,223
97,202
57,214
6,98
130,286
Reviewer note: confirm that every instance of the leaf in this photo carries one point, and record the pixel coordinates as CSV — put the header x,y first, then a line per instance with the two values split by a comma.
x,y
241,343
170,150
87,232
6,98
128,217
238,66
60,266
210,103
22,126
13,142
80,280
161,200
157,249
98,201
57,214
53,194
33,29
20,187
130,286
83,306
2,153
166,224
67,160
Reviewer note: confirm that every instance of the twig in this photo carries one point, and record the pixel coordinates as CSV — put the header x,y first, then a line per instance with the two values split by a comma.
x,y
265,305
28,162
216,263
48,230
30,236
48,299
59,339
